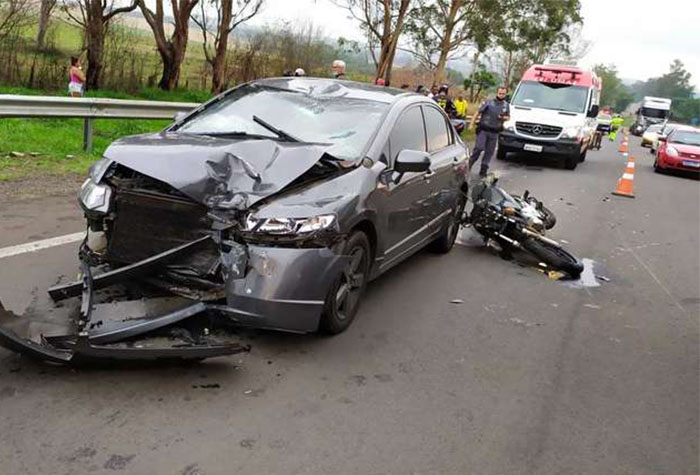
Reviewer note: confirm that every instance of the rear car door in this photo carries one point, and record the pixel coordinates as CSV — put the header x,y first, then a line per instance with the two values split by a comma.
x,y
448,159
405,200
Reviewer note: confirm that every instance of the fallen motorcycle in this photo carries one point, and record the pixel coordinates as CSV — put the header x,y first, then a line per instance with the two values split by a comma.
x,y
518,223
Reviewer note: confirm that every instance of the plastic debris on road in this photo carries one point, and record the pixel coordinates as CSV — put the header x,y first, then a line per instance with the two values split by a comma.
x,y
457,301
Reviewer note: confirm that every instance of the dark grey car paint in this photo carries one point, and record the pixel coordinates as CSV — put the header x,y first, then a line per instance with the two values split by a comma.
x,y
216,172
402,214
285,287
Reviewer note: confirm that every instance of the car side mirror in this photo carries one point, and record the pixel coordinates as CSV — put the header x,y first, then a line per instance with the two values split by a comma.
x,y
412,161
180,115
593,111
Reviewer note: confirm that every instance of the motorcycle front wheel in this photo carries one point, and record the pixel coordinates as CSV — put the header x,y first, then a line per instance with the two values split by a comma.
x,y
555,257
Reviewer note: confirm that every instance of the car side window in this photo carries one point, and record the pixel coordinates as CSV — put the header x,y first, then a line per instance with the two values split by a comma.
x,y
408,133
436,129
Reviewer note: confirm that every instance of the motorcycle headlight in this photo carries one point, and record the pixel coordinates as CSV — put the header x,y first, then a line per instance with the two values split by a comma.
x,y
289,226
573,132
95,197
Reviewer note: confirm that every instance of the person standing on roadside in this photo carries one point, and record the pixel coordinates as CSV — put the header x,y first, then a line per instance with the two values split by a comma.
x,y
338,69
461,106
445,101
77,77
491,116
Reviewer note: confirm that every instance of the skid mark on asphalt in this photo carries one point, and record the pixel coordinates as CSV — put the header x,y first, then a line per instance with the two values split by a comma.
x,y
39,245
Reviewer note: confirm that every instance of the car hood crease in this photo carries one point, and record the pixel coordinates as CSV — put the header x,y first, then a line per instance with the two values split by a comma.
x,y
219,173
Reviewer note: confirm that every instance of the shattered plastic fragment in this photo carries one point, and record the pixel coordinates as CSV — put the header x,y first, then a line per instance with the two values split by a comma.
x,y
590,305
457,301
555,275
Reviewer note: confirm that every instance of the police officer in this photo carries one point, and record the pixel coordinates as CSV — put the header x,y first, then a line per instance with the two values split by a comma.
x,y
491,116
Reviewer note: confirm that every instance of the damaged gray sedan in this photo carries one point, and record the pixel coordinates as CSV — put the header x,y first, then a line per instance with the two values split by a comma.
x,y
275,203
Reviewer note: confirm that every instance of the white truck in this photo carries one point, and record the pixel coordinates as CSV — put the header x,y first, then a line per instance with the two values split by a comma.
x,y
654,110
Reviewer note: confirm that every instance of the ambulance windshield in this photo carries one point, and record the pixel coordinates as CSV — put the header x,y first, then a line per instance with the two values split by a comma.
x,y
554,96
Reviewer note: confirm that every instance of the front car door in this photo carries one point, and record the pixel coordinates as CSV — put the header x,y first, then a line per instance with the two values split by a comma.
x,y
404,201
448,165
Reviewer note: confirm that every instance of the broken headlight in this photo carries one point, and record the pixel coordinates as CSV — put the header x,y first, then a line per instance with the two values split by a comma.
x,y
289,226
94,197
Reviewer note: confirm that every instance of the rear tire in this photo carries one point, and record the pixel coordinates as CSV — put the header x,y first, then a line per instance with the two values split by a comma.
x,y
344,297
555,257
444,242
582,158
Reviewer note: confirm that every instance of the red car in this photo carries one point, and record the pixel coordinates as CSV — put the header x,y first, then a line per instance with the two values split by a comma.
x,y
680,150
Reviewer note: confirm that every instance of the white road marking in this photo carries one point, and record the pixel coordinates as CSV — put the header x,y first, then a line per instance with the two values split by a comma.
x,y
39,245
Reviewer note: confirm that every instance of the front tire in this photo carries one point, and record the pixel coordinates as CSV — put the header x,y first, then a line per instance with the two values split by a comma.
x,y
343,299
501,153
571,162
555,257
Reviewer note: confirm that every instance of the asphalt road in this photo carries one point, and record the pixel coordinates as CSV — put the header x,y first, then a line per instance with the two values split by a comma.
x,y
526,376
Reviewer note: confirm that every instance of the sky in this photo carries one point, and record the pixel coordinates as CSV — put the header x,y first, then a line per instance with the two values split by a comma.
x,y
640,37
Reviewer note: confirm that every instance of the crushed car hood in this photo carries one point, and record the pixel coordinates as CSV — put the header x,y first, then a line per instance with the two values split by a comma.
x,y
219,173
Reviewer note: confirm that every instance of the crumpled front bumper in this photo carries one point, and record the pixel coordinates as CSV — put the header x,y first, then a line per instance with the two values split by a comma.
x,y
99,340
283,288
265,287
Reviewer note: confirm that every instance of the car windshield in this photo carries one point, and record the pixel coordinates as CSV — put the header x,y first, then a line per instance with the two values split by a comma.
x,y
668,129
346,123
654,113
685,137
551,96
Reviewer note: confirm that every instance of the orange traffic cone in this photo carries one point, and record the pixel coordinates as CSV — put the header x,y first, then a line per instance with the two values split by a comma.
x,y
625,185
623,146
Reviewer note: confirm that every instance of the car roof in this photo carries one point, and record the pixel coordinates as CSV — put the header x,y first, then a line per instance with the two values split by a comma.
x,y
326,87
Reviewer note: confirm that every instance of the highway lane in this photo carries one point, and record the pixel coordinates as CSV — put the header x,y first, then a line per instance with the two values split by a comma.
x,y
525,376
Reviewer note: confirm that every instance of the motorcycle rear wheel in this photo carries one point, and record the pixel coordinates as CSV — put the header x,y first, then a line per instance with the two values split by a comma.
x,y
555,257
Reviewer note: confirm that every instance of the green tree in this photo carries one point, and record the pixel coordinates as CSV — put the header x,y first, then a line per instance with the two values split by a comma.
x,y
480,80
529,31
440,30
675,83
614,94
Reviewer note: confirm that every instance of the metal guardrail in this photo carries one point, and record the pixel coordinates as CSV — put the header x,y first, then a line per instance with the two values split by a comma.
x,y
88,108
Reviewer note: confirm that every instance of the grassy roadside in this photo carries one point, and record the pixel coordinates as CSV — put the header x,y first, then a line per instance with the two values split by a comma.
x,y
54,146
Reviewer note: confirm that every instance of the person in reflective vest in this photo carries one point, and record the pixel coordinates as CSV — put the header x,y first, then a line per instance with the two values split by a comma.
x,y
461,106
615,124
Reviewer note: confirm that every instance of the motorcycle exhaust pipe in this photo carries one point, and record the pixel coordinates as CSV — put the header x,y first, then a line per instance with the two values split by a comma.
x,y
510,241
541,238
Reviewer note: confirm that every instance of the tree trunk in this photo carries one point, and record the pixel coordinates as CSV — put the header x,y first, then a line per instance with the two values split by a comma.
x,y
446,43
219,62
95,41
44,16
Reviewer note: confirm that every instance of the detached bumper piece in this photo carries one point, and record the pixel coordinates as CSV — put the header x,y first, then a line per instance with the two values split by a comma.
x,y
103,341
